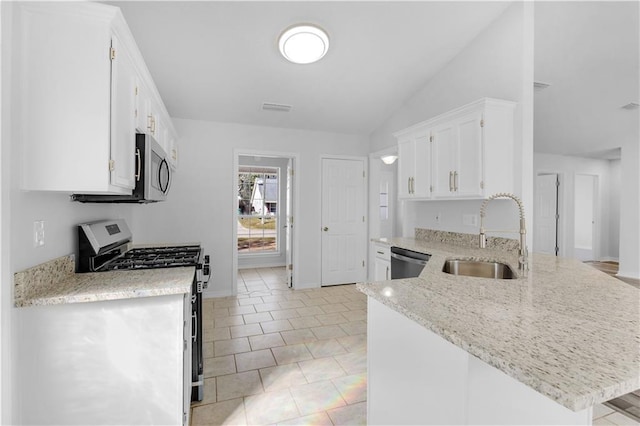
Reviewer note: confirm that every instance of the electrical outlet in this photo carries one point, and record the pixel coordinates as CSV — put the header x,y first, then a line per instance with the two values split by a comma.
x,y
38,233
470,219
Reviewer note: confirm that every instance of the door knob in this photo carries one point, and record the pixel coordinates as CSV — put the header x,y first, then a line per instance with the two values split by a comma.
x,y
325,229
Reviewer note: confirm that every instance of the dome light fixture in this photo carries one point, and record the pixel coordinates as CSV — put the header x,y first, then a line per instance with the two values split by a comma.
x,y
303,43
389,159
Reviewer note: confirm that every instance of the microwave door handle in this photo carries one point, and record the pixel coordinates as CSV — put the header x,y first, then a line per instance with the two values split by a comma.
x,y
139,168
163,163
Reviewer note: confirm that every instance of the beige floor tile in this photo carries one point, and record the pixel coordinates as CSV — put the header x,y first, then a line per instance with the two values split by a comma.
x,y
316,397
265,341
357,315
218,312
333,308
310,311
221,413
241,310
274,299
316,301
318,419
282,377
230,347
305,322
270,408
285,314
325,348
353,362
354,327
354,343
259,317
245,330
333,299
275,326
600,410
298,336
328,332
219,366
238,385
621,420
258,286
356,306
331,319
288,304
215,334
351,415
224,302
291,353
602,421
254,360
321,369
207,349
250,301
228,321
267,307
352,388
207,324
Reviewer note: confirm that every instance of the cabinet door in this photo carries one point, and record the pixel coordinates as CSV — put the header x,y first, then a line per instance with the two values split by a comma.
x,y
406,167
421,185
468,173
122,147
443,152
382,270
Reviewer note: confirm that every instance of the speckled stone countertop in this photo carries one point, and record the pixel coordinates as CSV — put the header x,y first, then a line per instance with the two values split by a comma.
x,y
55,282
565,329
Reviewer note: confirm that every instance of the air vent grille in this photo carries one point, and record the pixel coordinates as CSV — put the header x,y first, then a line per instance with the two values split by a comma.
x,y
270,106
631,105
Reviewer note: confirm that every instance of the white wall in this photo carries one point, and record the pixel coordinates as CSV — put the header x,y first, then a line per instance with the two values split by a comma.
x,y
497,64
568,167
257,260
630,211
201,203
615,183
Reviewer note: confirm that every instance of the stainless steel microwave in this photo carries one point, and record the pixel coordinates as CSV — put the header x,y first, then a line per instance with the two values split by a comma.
x,y
153,176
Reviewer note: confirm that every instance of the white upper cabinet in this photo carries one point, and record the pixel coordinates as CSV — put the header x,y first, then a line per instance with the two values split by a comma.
x,y
413,171
77,99
471,151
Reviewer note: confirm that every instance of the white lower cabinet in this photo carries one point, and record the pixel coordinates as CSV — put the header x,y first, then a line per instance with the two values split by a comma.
x,y
382,262
414,376
106,363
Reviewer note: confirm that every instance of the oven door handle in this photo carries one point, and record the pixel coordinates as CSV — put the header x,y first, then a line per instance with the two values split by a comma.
x,y
194,317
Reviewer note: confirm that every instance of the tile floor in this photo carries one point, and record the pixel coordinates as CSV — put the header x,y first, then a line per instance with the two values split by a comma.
x,y
278,356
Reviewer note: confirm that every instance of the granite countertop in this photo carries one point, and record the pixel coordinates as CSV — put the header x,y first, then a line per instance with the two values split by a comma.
x,y
55,282
564,328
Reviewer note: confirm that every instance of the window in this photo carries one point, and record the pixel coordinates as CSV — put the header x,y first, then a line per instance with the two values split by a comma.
x,y
258,190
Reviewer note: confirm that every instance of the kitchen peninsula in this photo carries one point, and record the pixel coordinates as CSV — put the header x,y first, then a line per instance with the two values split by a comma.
x,y
539,349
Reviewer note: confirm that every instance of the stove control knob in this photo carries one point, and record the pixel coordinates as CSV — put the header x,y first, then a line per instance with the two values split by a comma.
x,y
206,258
206,270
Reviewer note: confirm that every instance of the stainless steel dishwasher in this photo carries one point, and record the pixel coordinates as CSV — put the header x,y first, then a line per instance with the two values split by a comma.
x,y
407,263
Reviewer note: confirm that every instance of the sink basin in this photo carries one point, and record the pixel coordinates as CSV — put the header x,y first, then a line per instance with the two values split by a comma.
x,y
476,268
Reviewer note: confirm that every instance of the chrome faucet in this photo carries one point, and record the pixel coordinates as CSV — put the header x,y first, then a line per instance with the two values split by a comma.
x,y
523,252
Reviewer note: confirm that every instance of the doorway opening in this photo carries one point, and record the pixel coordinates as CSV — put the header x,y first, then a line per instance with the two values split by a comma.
x,y
264,202
585,202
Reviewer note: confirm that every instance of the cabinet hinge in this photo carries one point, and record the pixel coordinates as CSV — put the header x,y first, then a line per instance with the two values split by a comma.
x,y
363,175
363,218
184,345
431,138
291,220
112,165
112,53
290,267
430,188
482,123
481,184
136,91
291,172
557,183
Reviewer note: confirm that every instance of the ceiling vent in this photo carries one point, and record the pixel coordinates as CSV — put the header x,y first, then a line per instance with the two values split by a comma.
x,y
269,106
631,105
539,86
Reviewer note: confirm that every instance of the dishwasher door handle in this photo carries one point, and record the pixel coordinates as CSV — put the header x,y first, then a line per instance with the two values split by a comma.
x,y
408,259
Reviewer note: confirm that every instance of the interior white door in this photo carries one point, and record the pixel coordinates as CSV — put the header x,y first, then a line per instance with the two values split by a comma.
x,y
344,236
545,214
289,224
584,219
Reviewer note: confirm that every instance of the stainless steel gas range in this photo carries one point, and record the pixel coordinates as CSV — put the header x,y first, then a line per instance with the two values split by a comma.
x,y
107,246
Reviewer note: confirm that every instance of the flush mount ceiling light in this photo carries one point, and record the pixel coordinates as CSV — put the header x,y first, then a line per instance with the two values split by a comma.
x,y
389,159
303,44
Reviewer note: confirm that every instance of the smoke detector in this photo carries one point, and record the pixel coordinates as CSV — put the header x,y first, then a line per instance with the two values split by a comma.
x,y
270,106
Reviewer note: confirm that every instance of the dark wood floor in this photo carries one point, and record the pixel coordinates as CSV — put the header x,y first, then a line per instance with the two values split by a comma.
x,y
628,404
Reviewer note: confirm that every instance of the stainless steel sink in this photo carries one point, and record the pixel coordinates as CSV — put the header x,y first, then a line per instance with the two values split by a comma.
x,y
476,268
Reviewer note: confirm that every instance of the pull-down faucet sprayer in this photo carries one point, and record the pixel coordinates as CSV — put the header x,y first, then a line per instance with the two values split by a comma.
x,y
523,252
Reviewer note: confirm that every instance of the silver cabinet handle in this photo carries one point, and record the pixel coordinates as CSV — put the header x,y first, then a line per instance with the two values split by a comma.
x,y
195,321
450,181
386,274
413,185
139,169
409,185
455,181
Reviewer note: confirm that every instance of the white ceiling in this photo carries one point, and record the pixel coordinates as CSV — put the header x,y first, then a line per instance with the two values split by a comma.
x,y
219,61
589,53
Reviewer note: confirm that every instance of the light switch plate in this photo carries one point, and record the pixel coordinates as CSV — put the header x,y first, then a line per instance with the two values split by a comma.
x,y
38,233
470,219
